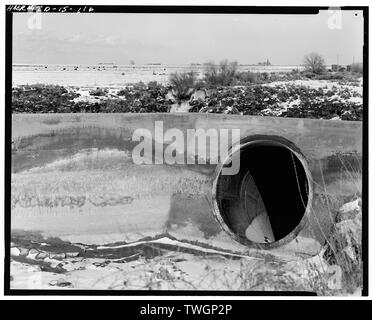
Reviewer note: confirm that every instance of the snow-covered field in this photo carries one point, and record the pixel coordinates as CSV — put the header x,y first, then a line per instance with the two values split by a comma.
x,y
112,75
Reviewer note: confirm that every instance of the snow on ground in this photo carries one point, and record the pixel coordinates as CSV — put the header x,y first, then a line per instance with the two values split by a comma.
x,y
316,84
342,93
172,271
165,263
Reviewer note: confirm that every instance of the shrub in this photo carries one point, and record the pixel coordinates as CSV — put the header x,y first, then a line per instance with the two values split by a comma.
x,y
284,101
41,98
314,63
248,77
357,67
98,92
309,75
331,76
56,99
220,75
345,78
182,84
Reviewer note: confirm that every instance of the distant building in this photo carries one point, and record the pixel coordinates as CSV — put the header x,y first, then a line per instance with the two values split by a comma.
x,y
335,67
266,63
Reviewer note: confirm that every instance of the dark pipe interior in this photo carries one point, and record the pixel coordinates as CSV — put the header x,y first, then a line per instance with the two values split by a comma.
x,y
274,169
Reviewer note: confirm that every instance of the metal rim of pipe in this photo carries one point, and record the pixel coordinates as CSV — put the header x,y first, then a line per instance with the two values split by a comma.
x,y
248,142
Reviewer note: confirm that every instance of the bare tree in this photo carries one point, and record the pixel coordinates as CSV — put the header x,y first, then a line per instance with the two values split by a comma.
x,y
222,74
314,62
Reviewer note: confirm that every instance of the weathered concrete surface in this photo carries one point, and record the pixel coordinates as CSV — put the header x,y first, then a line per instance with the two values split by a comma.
x,y
73,177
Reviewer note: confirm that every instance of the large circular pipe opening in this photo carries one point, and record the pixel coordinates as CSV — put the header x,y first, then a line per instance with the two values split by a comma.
x,y
266,202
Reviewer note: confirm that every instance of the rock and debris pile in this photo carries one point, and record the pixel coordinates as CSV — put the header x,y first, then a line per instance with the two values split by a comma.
x,y
344,246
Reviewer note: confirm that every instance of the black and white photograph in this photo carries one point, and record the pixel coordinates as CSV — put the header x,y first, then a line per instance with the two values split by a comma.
x,y
186,150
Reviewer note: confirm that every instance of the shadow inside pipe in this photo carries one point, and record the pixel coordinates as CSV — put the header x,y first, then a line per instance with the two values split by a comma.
x,y
268,198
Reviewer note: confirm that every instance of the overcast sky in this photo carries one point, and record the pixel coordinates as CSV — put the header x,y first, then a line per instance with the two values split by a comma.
x,y
185,38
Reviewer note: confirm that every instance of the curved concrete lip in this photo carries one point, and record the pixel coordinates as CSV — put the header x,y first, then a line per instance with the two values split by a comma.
x,y
263,140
